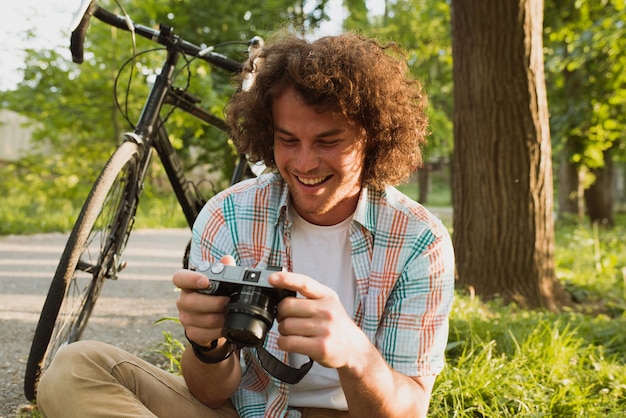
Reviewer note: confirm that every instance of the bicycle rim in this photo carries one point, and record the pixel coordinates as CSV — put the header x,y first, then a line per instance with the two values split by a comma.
x,y
90,256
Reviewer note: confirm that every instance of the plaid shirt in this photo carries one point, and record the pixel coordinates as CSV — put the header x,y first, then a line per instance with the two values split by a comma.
x,y
403,261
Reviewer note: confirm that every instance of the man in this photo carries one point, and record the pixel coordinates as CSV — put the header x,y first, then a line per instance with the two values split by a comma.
x,y
340,122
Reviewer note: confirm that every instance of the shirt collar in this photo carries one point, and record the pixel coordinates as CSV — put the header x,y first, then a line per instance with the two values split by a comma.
x,y
283,203
367,208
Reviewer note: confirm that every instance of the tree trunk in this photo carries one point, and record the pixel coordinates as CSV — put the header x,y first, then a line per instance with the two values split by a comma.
x,y
423,181
599,196
502,170
571,180
620,187
568,190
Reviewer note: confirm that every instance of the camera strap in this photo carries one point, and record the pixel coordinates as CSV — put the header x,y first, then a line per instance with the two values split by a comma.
x,y
280,370
270,363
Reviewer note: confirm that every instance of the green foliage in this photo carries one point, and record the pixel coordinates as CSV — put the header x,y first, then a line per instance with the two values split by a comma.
x,y
357,15
218,21
28,411
40,194
585,55
590,263
422,29
171,349
81,111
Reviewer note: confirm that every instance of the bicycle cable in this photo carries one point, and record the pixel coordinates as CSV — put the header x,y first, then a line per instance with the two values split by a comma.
x,y
124,110
187,69
133,36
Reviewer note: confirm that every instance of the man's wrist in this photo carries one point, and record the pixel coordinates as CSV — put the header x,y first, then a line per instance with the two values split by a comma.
x,y
214,353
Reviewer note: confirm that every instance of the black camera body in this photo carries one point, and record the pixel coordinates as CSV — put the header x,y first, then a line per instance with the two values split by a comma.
x,y
253,301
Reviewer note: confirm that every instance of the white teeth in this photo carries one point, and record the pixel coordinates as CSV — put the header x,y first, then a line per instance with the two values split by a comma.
x,y
312,181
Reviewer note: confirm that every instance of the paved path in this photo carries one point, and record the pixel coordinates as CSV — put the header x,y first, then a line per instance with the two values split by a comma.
x,y
124,314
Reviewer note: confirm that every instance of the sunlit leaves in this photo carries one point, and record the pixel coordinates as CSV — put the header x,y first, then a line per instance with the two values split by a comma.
x,y
585,46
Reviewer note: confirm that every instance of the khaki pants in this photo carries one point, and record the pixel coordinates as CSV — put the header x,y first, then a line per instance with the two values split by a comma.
x,y
93,379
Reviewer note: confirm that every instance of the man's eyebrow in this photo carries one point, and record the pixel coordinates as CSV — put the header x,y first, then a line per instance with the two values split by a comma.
x,y
325,134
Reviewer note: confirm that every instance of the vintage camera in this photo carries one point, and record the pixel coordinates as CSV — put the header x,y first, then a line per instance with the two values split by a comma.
x,y
253,301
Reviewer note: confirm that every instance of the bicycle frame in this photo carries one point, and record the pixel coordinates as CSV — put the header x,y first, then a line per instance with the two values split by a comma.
x,y
149,132
98,239
148,137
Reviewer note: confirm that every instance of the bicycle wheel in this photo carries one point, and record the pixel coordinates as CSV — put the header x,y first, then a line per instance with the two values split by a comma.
x,y
91,255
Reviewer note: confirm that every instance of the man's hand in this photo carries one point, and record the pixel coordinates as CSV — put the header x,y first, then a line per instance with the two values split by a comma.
x,y
318,325
202,315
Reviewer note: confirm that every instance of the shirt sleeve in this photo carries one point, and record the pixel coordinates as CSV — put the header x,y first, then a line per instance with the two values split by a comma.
x,y
211,238
413,333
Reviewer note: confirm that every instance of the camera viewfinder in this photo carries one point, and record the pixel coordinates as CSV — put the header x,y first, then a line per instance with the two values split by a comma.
x,y
251,276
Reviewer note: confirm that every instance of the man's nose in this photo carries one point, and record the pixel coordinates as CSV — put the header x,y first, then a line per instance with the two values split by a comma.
x,y
306,159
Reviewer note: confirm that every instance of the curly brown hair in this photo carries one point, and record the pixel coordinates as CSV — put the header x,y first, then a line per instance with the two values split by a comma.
x,y
365,81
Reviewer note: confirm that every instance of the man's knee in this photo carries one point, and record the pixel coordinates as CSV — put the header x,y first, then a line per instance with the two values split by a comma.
x,y
70,365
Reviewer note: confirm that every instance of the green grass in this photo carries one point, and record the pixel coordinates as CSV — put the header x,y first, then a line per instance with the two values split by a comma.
x,y
439,193
505,361
27,214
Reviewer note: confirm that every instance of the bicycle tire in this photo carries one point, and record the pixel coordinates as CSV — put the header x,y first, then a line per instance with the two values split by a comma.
x,y
90,255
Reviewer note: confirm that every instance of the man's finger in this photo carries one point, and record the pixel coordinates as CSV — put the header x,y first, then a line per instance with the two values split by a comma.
x,y
304,285
228,260
190,280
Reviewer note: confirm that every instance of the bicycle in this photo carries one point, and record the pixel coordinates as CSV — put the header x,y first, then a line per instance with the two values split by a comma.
x,y
96,243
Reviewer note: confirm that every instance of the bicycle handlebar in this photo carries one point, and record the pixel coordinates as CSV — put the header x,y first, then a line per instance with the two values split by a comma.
x,y
163,36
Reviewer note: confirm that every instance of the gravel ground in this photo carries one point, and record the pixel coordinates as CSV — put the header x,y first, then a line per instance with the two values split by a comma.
x,y
124,314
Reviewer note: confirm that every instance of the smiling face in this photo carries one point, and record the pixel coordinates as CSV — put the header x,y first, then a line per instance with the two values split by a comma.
x,y
321,156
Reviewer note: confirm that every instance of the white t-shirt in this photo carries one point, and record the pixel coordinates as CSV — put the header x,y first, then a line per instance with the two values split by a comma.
x,y
322,253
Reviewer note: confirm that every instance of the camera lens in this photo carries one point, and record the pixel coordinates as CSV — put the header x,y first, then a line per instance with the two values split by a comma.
x,y
249,316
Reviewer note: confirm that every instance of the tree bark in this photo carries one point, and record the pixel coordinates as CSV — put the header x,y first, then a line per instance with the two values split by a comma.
x,y
568,186
423,181
599,196
502,170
